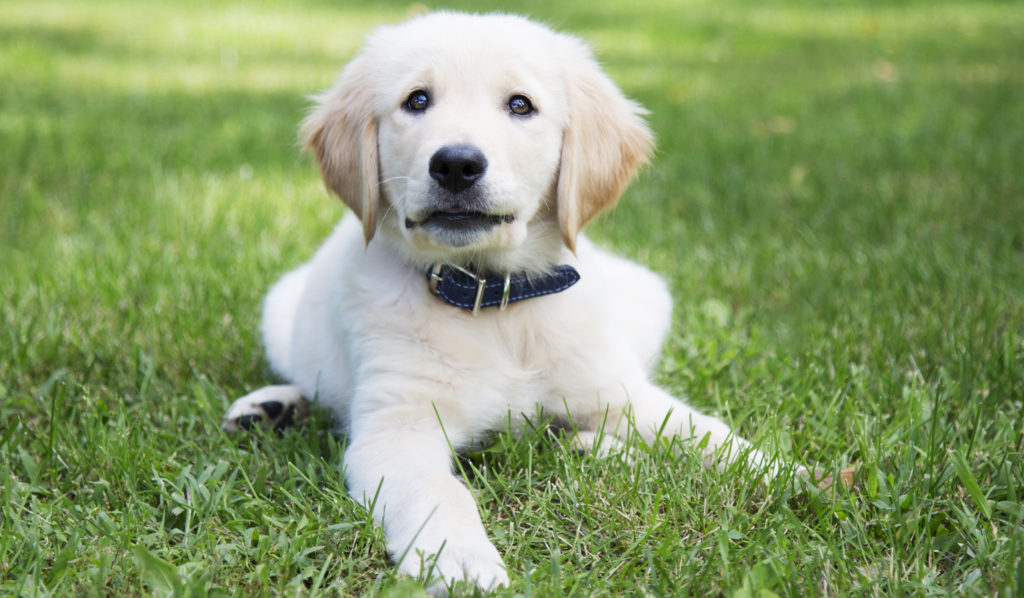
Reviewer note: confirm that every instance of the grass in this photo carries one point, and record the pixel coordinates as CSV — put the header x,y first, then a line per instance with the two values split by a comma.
x,y
836,203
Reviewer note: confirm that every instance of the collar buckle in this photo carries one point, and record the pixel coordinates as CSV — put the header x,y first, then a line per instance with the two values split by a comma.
x,y
481,284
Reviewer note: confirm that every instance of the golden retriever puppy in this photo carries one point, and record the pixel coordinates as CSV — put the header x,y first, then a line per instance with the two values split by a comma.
x,y
459,294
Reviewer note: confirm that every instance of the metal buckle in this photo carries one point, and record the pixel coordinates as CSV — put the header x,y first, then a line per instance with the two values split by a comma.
x,y
505,291
435,279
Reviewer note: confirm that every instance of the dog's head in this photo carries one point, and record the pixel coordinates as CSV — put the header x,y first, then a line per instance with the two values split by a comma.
x,y
461,136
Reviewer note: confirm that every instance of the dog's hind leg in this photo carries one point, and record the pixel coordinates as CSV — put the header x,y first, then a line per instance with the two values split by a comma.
x,y
658,414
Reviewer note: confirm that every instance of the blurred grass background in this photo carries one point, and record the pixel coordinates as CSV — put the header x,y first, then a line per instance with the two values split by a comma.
x,y
836,202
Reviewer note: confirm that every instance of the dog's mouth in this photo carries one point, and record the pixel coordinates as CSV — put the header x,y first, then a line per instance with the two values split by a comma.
x,y
460,220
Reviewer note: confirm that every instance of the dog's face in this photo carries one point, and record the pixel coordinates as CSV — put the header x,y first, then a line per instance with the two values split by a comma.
x,y
472,143
463,138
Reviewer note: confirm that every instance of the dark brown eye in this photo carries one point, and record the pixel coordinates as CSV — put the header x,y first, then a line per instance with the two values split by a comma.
x,y
418,101
520,105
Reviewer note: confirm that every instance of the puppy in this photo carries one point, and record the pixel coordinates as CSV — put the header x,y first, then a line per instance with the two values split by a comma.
x,y
459,295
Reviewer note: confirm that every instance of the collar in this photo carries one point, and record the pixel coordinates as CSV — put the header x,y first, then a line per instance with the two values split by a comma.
x,y
462,288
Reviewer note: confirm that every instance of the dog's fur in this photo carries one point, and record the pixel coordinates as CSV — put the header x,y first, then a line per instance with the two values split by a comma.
x,y
409,377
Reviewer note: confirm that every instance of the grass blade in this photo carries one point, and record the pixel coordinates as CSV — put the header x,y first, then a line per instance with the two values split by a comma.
x,y
963,471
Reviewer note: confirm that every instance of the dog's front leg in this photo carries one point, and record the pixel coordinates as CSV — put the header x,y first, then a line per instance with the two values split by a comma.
x,y
402,472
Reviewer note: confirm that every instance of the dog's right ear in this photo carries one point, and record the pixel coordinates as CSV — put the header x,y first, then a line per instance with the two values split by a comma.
x,y
342,132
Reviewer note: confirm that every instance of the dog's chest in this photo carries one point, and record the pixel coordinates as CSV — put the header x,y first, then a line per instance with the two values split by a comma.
x,y
506,350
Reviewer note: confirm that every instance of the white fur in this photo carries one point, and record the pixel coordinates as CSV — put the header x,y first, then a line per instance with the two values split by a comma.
x,y
409,377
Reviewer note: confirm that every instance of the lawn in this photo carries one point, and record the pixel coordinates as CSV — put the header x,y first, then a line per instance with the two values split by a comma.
x,y
836,202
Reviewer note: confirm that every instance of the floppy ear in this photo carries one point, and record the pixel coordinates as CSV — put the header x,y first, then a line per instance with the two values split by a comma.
x,y
342,132
604,144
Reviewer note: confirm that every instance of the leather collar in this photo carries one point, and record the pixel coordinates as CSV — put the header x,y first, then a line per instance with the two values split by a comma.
x,y
462,288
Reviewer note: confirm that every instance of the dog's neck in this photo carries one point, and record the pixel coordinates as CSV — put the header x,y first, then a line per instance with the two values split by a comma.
x,y
481,279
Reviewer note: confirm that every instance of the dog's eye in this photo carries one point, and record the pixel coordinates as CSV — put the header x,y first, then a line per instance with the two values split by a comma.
x,y
418,101
520,105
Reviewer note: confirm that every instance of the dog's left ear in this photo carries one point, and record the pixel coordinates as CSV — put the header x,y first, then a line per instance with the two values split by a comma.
x,y
342,132
605,143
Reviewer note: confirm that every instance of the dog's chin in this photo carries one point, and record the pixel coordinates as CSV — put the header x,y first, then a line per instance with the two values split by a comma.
x,y
461,230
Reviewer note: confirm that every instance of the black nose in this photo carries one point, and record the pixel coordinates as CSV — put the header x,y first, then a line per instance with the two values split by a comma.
x,y
457,167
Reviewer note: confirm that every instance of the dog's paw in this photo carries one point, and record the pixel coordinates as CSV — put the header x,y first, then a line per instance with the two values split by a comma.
x,y
459,561
276,407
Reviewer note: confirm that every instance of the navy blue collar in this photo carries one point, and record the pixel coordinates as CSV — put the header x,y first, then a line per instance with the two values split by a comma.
x,y
462,288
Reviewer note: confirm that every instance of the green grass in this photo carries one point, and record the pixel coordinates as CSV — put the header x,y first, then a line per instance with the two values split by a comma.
x,y
836,202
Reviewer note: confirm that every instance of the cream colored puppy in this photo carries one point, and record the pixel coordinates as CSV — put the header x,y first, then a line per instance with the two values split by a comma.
x,y
459,294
